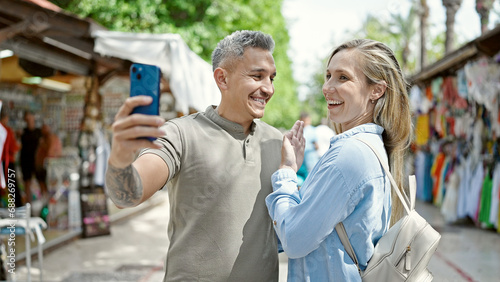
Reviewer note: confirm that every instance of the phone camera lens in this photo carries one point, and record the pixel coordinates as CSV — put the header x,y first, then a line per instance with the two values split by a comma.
x,y
139,76
134,69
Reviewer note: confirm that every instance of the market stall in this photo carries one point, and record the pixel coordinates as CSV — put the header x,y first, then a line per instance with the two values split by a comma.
x,y
457,124
47,72
73,74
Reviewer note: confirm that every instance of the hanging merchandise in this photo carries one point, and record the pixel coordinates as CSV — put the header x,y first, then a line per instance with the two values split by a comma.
x,y
464,169
450,95
94,211
483,77
437,173
462,84
102,151
455,139
495,196
436,88
420,104
419,169
449,207
93,199
95,216
62,176
485,203
3,137
422,130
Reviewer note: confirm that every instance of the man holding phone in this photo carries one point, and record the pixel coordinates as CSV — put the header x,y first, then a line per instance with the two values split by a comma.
x,y
218,165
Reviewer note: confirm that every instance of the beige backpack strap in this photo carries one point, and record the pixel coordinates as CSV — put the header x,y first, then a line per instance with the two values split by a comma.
x,y
409,204
347,244
404,199
412,181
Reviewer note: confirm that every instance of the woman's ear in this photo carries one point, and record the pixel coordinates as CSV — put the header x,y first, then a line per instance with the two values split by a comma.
x,y
220,76
378,90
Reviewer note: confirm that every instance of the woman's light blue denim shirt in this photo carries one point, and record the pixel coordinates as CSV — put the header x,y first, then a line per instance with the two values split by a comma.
x,y
347,185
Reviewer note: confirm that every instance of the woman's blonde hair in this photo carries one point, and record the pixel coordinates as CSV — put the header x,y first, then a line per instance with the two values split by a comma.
x,y
392,111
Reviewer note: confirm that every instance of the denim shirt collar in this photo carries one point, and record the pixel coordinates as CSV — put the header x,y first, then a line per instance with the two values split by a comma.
x,y
363,128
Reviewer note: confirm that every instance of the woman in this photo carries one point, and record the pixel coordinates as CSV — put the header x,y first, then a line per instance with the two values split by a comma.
x,y
366,96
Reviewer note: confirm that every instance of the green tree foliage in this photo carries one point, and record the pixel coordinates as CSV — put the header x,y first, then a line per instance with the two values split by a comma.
x,y
397,33
203,23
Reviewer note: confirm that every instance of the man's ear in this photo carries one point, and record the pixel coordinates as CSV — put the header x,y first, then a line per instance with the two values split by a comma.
x,y
378,90
220,76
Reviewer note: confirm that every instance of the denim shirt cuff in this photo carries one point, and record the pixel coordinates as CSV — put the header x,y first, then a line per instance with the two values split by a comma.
x,y
283,176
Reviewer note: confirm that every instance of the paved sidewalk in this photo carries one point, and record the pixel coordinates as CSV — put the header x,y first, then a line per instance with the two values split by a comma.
x,y
135,251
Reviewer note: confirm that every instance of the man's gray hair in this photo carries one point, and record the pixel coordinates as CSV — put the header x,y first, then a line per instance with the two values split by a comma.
x,y
233,46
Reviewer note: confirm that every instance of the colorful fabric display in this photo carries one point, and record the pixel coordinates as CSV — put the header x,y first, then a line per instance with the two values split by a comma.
x,y
465,110
422,130
450,94
474,195
495,196
449,207
485,206
437,173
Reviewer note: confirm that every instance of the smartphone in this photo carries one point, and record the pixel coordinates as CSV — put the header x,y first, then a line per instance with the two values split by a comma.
x,y
145,80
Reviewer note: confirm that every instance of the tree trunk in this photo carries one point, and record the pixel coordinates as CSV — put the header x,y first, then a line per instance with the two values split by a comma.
x,y
424,16
452,7
483,8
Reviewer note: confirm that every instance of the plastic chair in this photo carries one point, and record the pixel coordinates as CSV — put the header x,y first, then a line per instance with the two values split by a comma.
x,y
25,225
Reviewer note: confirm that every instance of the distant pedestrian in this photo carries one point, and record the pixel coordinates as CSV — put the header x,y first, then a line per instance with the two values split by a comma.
x,y
50,146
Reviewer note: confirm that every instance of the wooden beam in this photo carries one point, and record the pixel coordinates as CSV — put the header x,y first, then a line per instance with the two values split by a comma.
x,y
12,30
489,43
75,46
23,26
446,63
55,39
50,57
38,15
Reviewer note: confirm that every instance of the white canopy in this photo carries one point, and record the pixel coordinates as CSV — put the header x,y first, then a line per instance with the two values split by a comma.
x,y
190,77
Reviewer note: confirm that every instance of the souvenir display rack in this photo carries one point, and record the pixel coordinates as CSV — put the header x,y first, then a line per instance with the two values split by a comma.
x,y
93,199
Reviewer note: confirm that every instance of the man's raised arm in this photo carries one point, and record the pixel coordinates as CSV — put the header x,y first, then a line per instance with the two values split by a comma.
x,y
131,184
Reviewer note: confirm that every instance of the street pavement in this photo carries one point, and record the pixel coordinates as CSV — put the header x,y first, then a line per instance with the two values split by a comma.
x,y
136,249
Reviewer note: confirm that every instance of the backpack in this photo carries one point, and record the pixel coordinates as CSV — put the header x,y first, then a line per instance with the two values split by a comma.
x,y
403,253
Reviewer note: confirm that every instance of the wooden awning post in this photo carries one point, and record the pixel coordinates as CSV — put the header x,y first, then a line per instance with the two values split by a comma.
x,y
92,115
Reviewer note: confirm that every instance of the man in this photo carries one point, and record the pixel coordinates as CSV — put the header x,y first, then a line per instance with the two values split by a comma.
x,y
29,144
218,164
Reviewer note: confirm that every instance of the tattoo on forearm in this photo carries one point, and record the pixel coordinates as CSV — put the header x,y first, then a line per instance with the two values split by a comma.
x,y
124,185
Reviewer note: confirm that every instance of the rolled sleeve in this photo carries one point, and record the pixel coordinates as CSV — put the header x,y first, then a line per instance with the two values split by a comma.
x,y
172,149
285,196
302,219
285,177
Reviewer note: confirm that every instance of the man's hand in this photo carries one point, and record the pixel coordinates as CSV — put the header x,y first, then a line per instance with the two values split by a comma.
x,y
292,152
124,183
128,128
